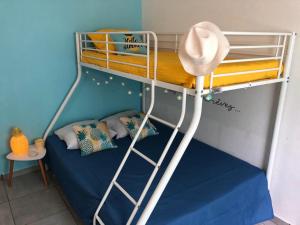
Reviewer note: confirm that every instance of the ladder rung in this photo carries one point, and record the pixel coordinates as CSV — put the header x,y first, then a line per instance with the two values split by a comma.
x,y
163,121
125,192
99,220
144,157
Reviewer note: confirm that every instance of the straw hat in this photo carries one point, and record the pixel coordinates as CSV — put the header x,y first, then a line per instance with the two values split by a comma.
x,y
203,48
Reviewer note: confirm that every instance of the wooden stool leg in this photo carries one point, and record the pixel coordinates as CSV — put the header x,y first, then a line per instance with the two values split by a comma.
x,y
11,172
43,172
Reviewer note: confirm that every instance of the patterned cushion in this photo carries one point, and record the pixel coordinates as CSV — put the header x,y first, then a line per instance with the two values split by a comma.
x,y
129,39
102,37
93,137
114,124
67,134
133,123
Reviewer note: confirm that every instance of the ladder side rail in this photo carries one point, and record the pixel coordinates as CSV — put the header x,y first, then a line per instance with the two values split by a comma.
x,y
99,220
153,83
198,100
128,151
162,157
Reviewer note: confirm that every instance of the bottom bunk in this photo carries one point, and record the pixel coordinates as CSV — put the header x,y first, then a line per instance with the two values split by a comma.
x,y
209,186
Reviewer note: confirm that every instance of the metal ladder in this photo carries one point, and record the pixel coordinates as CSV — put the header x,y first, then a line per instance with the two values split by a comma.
x,y
156,165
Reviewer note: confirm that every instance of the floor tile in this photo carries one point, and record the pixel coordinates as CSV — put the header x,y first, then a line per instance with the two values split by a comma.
x,y
25,184
36,206
70,209
279,222
269,223
79,223
3,196
62,218
5,214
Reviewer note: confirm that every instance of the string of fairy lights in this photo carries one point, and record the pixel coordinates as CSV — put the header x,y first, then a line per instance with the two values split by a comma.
x,y
108,80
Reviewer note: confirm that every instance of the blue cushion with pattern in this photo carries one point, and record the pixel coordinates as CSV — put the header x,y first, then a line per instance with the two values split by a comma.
x,y
133,123
93,138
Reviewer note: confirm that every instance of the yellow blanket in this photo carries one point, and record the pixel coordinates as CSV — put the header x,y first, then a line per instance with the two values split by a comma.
x,y
170,69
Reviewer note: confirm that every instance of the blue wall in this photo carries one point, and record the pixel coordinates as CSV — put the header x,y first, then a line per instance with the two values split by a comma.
x,y
37,64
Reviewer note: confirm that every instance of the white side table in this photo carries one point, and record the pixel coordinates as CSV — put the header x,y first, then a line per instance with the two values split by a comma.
x,y
33,155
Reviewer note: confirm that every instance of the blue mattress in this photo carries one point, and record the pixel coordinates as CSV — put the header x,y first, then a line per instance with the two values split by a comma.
x,y
209,186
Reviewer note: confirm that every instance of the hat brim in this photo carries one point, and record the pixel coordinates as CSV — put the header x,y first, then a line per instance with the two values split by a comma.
x,y
204,69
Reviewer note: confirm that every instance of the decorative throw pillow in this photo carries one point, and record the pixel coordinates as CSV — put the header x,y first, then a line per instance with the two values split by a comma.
x,y
133,124
129,39
93,138
102,37
67,134
114,124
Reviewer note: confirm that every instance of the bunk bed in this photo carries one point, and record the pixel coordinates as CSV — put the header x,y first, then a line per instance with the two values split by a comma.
x,y
218,191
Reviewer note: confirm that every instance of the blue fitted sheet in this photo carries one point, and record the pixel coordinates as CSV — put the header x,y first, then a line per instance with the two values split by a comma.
x,y
209,186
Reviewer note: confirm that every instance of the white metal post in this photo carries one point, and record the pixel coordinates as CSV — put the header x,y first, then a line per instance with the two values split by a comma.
x,y
148,55
280,108
143,98
282,55
178,154
278,44
176,43
107,51
71,91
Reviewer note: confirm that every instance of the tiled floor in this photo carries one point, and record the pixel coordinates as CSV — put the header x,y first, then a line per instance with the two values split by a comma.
x,y
28,202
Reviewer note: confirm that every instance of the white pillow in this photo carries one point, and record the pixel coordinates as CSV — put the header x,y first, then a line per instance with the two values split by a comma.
x,y
114,123
67,134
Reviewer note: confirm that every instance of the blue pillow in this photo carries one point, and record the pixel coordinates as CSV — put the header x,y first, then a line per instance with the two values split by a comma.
x,y
129,38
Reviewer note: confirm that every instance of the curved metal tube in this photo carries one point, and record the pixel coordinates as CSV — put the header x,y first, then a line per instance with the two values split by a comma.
x,y
178,154
70,93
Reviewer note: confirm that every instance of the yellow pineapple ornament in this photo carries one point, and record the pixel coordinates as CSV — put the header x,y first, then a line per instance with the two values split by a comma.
x,y
18,142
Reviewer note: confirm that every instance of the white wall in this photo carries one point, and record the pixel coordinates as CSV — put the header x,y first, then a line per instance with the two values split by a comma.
x,y
244,134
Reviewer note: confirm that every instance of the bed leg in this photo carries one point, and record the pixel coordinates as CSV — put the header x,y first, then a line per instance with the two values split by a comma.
x,y
94,220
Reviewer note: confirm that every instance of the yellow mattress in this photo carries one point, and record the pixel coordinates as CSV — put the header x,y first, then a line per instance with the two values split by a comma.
x,y
170,69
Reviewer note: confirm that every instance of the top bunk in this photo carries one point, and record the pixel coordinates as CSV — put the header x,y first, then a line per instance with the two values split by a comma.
x,y
254,59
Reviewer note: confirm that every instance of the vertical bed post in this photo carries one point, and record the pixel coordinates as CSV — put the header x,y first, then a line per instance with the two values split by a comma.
x,y
178,154
71,91
143,104
280,108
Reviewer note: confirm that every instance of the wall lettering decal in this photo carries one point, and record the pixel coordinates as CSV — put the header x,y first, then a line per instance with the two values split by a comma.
x,y
219,102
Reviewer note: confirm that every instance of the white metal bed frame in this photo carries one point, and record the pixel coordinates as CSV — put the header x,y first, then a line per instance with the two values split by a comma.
x,y
283,51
